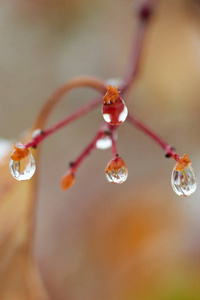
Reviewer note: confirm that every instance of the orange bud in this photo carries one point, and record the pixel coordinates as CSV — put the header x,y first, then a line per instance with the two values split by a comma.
x,y
19,153
182,163
111,95
115,164
68,181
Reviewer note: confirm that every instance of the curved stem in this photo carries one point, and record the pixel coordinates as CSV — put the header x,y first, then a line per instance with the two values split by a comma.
x,y
84,81
144,14
72,117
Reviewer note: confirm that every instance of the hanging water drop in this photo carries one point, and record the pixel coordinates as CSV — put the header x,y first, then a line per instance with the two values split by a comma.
x,y
36,133
22,164
116,112
105,142
114,109
116,171
114,81
184,182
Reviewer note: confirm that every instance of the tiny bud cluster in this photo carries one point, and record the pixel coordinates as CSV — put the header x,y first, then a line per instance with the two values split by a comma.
x,y
19,153
111,95
182,163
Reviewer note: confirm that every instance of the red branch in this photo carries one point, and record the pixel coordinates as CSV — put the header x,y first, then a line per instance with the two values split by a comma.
x,y
87,151
145,12
114,146
69,119
169,151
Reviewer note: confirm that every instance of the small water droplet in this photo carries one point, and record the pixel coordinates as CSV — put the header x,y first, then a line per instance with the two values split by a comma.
x,y
184,182
36,133
105,142
116,171
23,169
115,113
114,82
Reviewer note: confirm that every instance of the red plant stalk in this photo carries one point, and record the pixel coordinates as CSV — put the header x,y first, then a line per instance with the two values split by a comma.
x,y
145,12
92,145
56,97
85,81
169,151
69,119
114,146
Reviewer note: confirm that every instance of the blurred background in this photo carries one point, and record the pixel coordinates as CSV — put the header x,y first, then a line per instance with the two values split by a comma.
x,y
136,241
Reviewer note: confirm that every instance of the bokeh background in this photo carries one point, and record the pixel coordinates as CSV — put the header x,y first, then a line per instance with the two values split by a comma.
x,y
136,241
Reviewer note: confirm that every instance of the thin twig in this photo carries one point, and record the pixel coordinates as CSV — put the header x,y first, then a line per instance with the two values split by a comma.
x,y
145,13
169,151
69,119
84,81
87,150
114,146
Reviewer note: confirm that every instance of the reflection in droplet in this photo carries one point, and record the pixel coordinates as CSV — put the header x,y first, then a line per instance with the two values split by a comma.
x,y
116,171
105,142
23,169
115,113
184,182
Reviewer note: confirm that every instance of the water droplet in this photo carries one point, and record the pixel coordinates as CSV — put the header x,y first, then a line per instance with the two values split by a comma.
x,y
114,82
116,171
105,142
23,169
115,113
36,133
184,182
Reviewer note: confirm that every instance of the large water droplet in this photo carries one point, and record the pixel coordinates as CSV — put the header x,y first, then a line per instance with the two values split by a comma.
x,y
23,169
116,171
184,182
115,113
